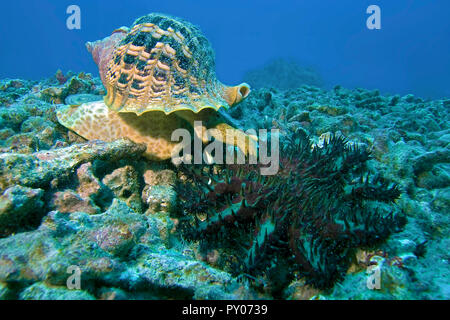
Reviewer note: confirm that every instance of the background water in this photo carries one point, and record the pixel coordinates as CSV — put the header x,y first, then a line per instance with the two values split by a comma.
x,y
410,54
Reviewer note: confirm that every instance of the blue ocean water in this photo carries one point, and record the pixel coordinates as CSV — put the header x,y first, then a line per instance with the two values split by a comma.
x,y
410,54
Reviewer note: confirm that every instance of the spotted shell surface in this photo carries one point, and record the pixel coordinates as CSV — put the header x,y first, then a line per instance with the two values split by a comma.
x,y
163,64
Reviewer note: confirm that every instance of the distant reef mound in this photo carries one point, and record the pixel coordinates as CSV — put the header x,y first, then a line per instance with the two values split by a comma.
x,y
283,73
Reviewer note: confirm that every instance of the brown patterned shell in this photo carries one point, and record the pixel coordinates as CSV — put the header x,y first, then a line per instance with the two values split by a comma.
x,y
164,64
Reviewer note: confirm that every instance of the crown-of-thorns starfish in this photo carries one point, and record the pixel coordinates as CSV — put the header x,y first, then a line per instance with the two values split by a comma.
x,y
159,76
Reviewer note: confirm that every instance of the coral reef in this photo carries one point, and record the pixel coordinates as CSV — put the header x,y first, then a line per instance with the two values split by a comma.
x,y
309,217
77,84
13,90
401,133
42,168
18,206
114,214
115,252
27,181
